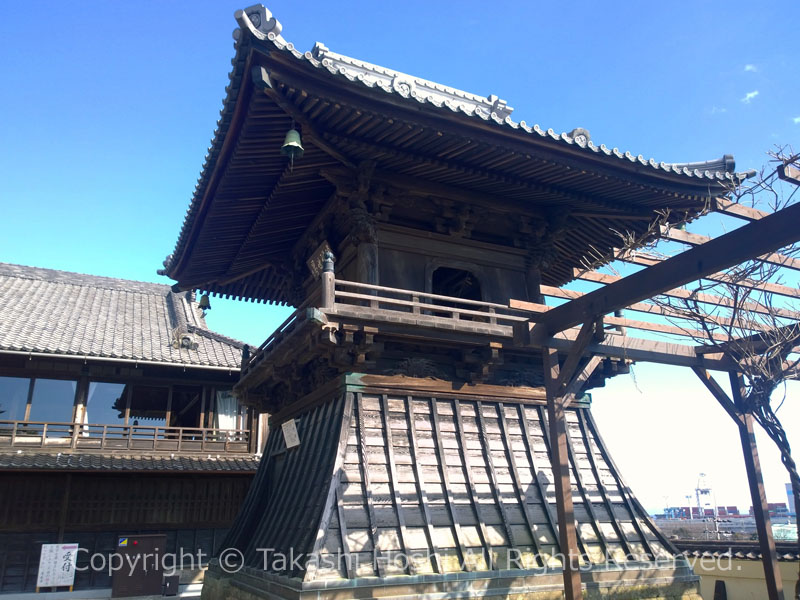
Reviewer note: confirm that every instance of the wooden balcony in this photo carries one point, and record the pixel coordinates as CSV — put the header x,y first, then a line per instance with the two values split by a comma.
x,y
26,435
392,310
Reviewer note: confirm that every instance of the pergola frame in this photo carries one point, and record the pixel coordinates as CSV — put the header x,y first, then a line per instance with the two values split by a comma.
x,y
553,329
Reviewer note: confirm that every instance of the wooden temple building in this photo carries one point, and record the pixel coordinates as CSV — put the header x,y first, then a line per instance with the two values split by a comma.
x,y
116,418
416,227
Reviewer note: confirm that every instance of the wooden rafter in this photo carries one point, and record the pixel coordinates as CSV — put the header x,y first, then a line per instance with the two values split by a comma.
x,y
734,209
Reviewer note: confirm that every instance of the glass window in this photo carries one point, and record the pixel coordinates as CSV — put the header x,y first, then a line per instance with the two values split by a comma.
x,y
52,400
226,410
105,404
13,398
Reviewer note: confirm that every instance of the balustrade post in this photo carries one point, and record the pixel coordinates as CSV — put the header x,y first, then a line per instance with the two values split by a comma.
x,y
76,428
328,281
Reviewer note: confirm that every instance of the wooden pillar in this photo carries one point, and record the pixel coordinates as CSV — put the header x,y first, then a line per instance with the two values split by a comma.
x,y
252,430
533,282
29,401
568,539
367,257
168,411
759,497
202,405
328,282
62,518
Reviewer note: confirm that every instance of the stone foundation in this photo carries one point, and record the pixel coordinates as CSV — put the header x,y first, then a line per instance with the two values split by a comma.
x,y
675,581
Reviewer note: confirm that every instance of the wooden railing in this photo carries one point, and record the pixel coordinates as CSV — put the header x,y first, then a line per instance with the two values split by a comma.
x,y
337,297
279,334
77,436
349,293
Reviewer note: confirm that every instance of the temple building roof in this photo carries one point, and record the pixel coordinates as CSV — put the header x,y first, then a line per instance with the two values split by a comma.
x,y
31,459
44,311
250,208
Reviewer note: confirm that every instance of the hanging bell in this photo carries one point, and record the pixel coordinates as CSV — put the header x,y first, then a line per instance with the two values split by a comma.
x,y
204,303
291,145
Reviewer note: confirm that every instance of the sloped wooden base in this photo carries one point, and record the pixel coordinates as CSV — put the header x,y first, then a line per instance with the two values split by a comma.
x,y
394,492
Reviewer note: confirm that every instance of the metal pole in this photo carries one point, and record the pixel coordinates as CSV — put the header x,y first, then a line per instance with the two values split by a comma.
x,y
568,539
759,497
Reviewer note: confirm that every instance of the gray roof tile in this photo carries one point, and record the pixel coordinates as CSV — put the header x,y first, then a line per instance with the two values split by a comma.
x,y
247,463
257,22
49,311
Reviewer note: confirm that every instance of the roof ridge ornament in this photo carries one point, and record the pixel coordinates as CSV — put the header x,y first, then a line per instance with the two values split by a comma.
x,y
410,86
260,18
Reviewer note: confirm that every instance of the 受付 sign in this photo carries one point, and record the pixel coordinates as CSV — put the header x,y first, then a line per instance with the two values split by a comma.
x,y
57,565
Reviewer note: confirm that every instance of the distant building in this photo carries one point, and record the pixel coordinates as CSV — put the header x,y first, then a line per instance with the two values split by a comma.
x,y
116,417
790,496
776,509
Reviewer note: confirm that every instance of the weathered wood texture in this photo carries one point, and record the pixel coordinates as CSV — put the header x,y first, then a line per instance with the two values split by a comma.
x,y
434,485
290,492
100,502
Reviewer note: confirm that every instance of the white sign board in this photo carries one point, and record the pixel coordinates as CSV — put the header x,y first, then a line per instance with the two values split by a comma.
x,y
290,434
57,565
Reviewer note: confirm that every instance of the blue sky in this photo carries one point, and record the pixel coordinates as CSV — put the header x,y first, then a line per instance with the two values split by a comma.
x,y
108,108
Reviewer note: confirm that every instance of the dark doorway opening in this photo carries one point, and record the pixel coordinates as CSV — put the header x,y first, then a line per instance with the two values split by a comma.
x,y
456,283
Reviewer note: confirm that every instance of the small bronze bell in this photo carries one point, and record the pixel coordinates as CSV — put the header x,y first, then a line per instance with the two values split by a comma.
x,y
204,303
292,146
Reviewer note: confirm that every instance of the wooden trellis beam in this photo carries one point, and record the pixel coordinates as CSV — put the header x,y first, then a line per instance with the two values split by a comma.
x,y
754,239
645,260
685,294
695,239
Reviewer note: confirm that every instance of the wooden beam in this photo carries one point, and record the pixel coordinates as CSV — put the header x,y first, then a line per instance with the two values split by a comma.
x,y
638,349
638,258
695,239
735,209
559,459
719,394
758,343
754,239
758,495
684,293
789,172
567,368
417,186
263,81
580,379
634,324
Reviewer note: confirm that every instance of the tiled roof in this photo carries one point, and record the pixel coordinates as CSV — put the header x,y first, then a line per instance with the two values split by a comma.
x,y
48,311
743,550
115,462
257,23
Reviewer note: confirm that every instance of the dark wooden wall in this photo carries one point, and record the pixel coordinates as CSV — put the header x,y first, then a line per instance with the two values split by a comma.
x,y
88,501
